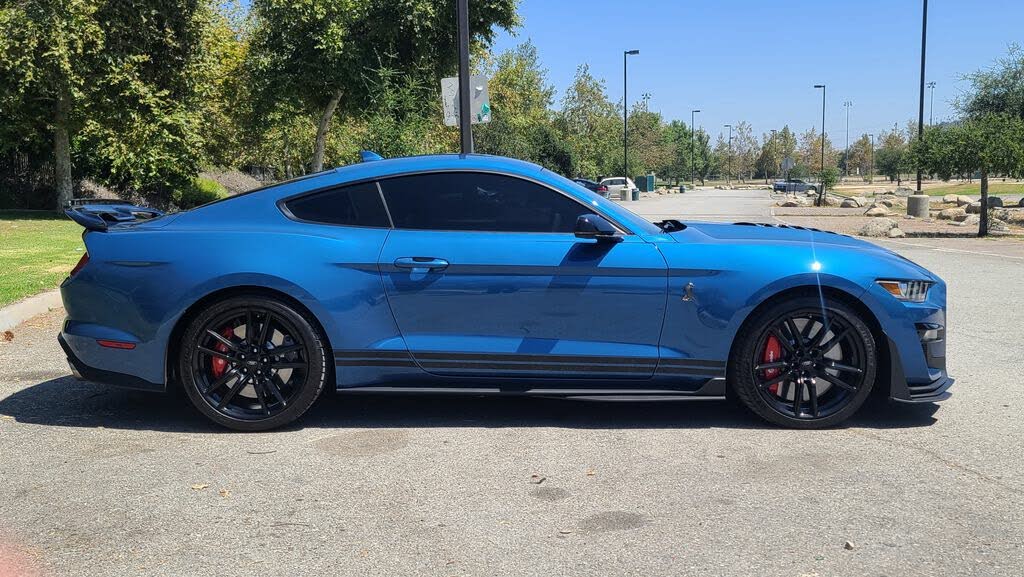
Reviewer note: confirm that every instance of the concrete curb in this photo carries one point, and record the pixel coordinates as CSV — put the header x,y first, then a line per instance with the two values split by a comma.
x,y
14,314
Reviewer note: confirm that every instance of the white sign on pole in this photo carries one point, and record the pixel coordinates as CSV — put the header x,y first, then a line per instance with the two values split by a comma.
x,y
788,163
479,100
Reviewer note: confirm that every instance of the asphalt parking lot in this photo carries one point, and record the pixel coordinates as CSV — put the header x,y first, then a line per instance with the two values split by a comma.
x,y
100,481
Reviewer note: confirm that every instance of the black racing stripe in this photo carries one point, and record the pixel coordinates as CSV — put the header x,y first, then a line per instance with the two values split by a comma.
x,y
371,354
373,363
690,363
516,357
690,371
507,367
537,270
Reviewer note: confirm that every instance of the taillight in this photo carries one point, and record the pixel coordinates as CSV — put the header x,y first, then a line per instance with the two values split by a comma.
x,y
81,263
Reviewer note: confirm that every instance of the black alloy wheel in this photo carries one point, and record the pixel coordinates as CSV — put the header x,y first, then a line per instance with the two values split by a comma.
x,y
805,363
252,363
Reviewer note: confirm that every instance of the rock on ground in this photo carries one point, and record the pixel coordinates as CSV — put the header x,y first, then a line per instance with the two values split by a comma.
x,y
877,211
853,202
896,233
951,213
878,227
969,220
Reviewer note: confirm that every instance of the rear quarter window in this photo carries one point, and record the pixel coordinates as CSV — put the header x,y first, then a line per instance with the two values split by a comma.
x,y
353,205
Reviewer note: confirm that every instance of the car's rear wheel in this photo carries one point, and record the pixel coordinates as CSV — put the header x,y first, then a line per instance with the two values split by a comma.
x,y
252,363
805,363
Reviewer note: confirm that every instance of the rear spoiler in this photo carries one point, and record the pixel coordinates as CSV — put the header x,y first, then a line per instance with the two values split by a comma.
x,y
98,215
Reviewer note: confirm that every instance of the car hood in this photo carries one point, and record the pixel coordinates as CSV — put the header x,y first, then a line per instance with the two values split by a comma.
x,y
795,236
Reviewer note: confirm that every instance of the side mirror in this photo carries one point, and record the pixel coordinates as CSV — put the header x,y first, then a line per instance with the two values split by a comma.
x,y
594,227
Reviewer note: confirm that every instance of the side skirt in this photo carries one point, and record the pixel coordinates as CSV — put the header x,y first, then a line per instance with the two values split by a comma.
x,y
712,389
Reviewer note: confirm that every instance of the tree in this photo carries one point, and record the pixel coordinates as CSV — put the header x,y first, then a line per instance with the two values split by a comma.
x,y
892,158
997,90
721,157
704,158
988,143
677,139
307,53
590,125
858,161
745,151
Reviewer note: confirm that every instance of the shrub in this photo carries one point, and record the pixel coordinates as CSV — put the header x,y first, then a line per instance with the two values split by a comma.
x,y
202,191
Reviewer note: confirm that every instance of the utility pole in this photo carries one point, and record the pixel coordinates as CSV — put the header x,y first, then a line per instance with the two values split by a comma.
x,y
846,161
931,106
920,108
871,170
465,120
693,181
728,173
821,193
625,114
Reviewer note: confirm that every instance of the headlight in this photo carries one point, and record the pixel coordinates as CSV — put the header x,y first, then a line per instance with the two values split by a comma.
x,y
914,291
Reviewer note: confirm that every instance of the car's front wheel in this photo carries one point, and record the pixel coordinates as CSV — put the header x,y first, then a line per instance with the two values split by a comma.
x,y
252,363
806,362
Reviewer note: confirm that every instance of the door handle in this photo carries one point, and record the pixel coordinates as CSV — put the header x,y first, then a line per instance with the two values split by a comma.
x,y
421,262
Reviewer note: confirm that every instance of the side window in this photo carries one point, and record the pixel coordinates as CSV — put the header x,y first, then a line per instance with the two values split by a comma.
x,y
478,202
355,205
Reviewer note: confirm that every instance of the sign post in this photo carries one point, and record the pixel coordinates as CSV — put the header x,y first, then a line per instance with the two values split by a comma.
x,y
479,102
465,126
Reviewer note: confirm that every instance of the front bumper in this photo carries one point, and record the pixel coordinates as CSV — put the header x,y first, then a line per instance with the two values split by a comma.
x,y
902,391
84,372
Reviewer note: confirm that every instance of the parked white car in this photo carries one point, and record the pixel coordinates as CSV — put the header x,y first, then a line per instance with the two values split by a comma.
x,y
616,184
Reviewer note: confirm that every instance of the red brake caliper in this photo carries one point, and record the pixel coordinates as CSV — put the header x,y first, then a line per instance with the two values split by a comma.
x,y
217,364
772,353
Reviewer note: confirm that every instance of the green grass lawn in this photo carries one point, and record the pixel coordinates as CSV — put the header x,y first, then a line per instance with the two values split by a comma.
x,y
975,188
37,250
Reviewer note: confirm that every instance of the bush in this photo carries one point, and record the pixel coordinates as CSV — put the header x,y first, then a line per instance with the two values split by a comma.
x,y
829,178
202,191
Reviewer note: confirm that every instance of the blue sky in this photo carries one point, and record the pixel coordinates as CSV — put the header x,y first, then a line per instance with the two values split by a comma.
x,y
757,60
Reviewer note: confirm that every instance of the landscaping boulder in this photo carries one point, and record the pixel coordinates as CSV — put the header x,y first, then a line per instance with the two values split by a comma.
x,y
996,225
969,220
951,213
1020,203
878,227
974,207
877,211
896,233
995,202
950,199
887,202
792,202
853,202
962,200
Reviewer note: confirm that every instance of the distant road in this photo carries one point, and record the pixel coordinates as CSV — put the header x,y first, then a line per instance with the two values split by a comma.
x,y
715,205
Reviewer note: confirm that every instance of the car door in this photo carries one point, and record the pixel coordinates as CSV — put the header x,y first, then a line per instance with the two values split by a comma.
x,y
486,278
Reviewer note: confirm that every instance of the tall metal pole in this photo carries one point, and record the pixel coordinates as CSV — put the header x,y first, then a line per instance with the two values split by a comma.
x,y
728,174
931,106
465,121
774,152
920,108
625,115
821,193
871,170
846,162
693,180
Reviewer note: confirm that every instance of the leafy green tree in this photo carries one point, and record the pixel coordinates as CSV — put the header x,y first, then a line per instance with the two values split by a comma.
x,y
997,90
859,159
307,53
892,158
987,143
590,125
745,151
649,150
677,139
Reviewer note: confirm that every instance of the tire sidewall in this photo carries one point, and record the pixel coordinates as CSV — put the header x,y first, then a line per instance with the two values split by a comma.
x,y
741,362
300,403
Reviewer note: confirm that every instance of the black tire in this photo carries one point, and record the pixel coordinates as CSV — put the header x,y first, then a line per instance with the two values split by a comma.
x,y
802,369
255,388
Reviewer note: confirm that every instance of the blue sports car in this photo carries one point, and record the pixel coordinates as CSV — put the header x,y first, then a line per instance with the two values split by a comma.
x,y
485,275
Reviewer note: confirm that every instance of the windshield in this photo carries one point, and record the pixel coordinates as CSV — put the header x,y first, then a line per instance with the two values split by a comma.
x,y
635,222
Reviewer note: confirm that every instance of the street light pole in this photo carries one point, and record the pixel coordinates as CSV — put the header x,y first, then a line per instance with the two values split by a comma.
x,y
693,180
465,120
871,169
728,173
920,108
846,161
931,106
625,114
774,152
821,193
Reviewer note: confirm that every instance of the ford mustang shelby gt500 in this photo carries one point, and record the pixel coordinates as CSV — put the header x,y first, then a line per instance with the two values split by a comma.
x,y
478,274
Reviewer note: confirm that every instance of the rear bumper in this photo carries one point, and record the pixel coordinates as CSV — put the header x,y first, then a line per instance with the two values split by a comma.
x,y
84,372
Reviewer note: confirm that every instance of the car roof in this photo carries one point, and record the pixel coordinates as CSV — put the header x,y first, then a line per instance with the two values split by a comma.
x,y
406,164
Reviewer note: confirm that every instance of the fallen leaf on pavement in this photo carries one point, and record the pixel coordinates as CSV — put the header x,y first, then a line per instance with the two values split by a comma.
x,y
8,336
200,486
537,479
225,493
848,545
591,472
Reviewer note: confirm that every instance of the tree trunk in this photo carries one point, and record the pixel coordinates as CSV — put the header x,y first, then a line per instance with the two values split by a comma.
x,y
321,132
62,156
983,225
